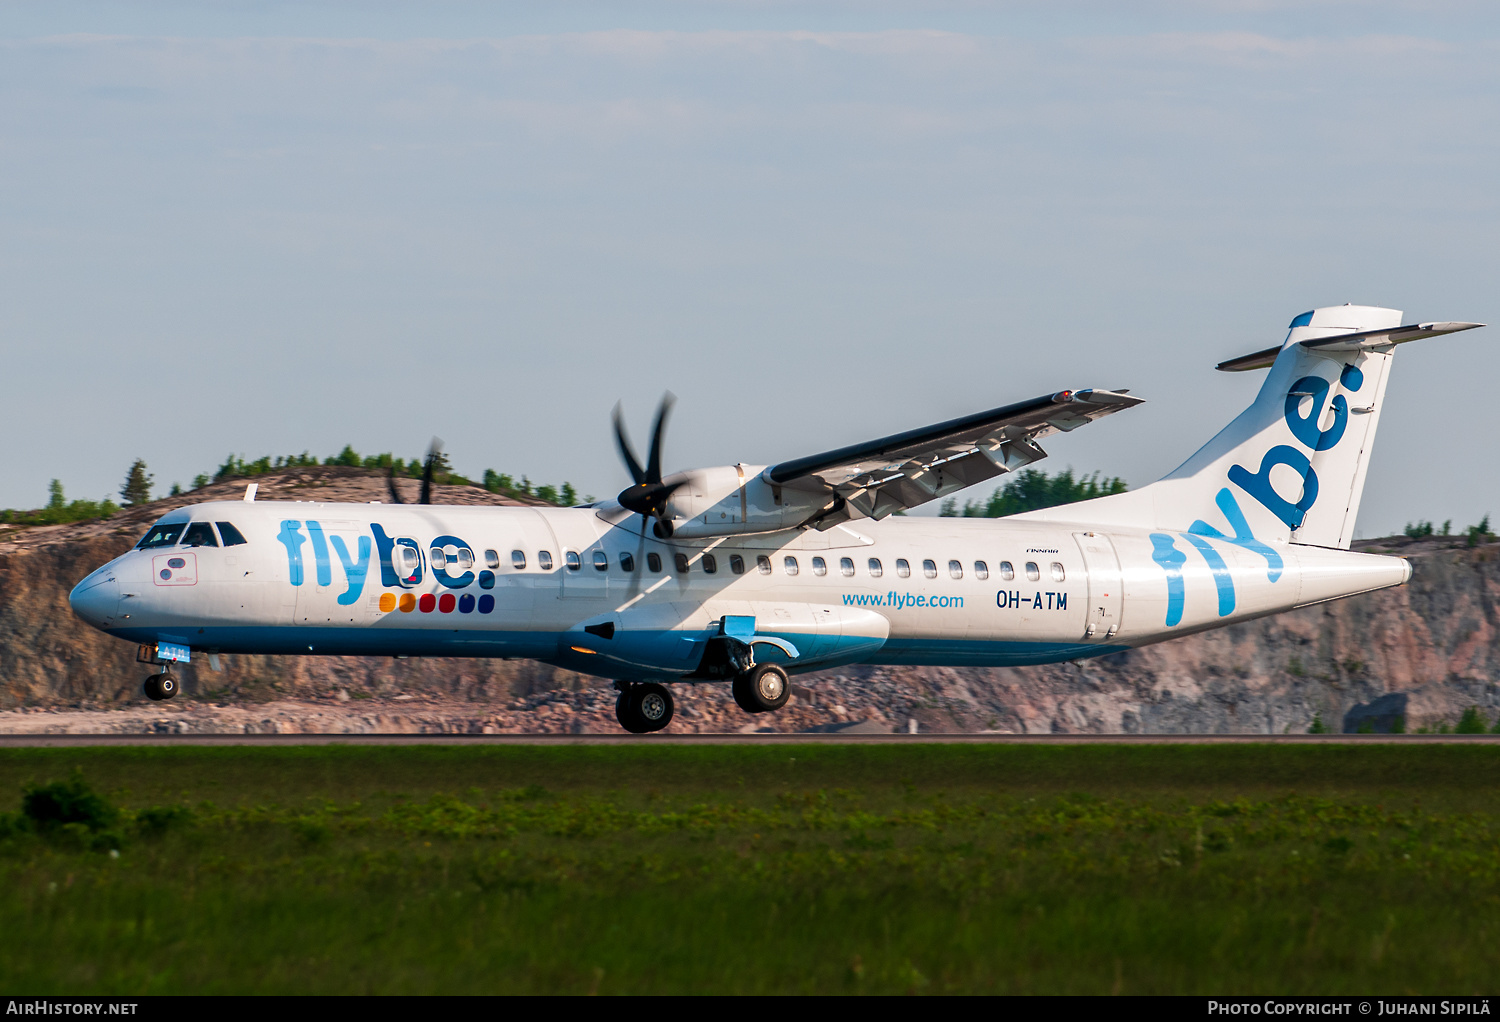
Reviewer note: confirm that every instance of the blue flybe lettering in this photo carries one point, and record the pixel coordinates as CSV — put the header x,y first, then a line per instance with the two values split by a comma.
x,y
355,569
1258,484
440,571
1306,429
1223,581
320,553
291,537
1242,536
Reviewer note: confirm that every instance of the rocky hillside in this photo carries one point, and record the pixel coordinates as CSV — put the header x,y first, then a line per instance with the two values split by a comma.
x,y
1423,652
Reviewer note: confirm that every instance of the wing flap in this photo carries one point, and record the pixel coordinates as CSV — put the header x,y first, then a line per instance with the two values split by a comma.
x,y
881,477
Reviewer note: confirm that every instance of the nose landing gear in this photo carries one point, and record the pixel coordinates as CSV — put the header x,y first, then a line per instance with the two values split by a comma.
x,y
643,708
161,686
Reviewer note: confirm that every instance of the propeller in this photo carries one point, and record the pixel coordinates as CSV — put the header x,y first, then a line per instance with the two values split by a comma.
x,y
429,469
648,496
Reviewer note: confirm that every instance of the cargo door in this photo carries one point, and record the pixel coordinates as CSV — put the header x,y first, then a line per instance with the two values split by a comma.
x,y
1105,586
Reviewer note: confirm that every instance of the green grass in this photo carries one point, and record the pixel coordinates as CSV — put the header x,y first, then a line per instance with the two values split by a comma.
x,y
874,868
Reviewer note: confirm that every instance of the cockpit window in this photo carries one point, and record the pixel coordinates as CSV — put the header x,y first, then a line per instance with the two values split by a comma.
x,y
161,535
199,534
231,535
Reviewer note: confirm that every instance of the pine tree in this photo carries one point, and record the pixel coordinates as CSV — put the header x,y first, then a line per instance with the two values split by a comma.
x,y
137,488
55,499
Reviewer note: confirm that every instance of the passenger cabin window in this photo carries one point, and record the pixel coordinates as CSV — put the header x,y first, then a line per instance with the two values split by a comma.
x,y
736,564
682,563
491,559
981,570
1032,571
601,560
903,567
763,564
875,569
572,560
437,558
627,563
406,561
710,564
790,564
1007,570
653,561
518,560
465,558
199,534
1058,575
955,569
544,560
929,568
846,567
230,535
820,566
161,535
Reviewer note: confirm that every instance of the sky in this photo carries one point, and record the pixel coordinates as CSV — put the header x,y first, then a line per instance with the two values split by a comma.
x,y
268,228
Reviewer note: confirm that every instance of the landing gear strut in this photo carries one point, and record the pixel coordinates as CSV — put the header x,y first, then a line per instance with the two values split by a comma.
x,y
161,686
643,708
761,689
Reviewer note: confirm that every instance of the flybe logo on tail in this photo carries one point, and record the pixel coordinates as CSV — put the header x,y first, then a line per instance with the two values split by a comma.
x,y
1308,432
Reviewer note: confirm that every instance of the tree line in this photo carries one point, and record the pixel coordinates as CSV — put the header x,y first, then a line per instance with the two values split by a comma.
x,y
137,487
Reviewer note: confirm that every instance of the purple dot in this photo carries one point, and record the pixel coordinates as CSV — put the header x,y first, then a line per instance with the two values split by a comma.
x,y
165,574
486,603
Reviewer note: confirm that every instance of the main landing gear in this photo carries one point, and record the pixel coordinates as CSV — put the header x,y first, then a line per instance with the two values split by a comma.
x,y
643,708
161,686
761,689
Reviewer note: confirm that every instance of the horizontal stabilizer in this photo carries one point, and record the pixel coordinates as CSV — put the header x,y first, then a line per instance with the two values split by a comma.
x,y
1363,340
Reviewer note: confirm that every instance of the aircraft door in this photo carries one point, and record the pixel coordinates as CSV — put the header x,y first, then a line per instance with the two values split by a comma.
x,y
585,565
1106,586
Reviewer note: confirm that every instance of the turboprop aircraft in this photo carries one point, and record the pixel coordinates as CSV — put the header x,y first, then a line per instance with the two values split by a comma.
x,y
745,574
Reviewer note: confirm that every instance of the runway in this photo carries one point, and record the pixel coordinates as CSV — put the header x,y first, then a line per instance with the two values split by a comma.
x,y
81,741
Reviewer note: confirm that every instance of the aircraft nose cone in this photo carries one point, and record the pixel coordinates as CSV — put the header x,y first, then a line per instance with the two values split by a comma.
x,y
96,599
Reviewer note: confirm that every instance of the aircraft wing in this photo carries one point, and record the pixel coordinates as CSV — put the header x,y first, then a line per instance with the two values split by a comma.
x,y
893,473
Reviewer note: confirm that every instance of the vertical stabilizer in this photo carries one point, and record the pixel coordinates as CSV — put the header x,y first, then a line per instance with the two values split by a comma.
x,y
1291,467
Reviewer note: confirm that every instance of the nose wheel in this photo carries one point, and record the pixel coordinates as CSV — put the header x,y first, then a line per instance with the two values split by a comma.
x,y
642,709
161,686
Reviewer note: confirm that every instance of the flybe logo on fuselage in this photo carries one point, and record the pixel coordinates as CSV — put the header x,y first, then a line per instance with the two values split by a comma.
x,y
1307,431
359,549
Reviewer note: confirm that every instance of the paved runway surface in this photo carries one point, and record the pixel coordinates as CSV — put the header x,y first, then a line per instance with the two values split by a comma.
x,y
76,741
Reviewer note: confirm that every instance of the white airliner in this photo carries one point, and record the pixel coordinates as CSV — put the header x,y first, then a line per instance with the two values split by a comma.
x,y
746,573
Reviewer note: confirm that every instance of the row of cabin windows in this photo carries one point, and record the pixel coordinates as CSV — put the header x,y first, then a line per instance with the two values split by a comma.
x,y
709,564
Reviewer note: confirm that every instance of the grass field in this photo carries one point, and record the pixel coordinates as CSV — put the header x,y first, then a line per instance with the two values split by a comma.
x,y
925,868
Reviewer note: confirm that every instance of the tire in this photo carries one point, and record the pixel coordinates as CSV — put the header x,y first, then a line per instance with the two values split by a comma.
x,y
653,706
167,685
762,689
152,688
625,713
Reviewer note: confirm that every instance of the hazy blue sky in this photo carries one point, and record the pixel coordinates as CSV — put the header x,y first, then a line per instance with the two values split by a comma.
x,y
265,228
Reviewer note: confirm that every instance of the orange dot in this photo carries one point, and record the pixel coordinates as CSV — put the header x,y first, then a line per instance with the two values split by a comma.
x,y
387,602
408,603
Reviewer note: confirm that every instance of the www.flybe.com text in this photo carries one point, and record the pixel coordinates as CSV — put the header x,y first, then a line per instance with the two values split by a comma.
x,y
1012,599
900,601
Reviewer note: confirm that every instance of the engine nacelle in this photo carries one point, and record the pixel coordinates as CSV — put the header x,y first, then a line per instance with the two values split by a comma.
x,y
731,500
